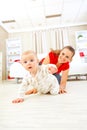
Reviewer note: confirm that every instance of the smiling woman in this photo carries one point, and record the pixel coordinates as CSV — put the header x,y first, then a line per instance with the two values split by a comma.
x,y
61,58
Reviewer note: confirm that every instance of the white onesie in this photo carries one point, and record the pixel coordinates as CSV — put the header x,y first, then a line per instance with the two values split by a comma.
x,y
43,81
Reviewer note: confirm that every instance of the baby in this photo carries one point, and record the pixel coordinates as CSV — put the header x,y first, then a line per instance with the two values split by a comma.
x,y
40,77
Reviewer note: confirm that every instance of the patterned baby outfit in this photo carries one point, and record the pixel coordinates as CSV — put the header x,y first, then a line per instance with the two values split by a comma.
x,y
43,81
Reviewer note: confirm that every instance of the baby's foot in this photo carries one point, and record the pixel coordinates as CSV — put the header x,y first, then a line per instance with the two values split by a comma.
x,y
32,91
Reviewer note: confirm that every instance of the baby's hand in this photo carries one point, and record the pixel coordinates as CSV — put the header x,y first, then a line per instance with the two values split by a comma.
x,y
52,68
18,100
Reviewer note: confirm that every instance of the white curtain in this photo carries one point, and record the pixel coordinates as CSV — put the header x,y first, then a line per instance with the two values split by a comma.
x,y
43,40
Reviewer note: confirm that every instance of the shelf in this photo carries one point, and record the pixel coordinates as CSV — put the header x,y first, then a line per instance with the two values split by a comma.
x,y
13,49
13,54
81,43
0,66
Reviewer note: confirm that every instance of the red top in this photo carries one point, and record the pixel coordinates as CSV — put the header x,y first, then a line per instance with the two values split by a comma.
x,y
54,59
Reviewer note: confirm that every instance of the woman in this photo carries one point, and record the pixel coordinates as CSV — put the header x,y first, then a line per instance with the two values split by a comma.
x,y
61,59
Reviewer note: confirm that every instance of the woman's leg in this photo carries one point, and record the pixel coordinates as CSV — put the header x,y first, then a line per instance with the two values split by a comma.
x,y
58,77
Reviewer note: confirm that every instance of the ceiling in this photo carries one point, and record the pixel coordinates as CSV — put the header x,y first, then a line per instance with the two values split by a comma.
x,y
25,15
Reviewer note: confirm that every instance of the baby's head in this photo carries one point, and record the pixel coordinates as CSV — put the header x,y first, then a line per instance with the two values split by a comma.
x,y
29,60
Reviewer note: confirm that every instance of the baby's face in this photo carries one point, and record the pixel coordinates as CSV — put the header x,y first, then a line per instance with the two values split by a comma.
x,y
30,62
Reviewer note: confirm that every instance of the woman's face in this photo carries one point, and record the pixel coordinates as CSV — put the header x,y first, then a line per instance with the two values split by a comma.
x,y
65,56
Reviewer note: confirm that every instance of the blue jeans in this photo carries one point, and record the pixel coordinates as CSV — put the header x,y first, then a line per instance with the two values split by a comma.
x,y
58,77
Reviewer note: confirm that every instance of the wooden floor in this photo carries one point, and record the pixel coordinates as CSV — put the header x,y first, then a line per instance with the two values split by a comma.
x,y
44,112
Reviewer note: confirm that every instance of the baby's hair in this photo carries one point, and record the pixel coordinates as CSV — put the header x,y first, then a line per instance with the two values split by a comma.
x,y
29,52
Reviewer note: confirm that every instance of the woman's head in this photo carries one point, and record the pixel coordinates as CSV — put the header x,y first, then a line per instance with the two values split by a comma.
x,y
66,54
70,48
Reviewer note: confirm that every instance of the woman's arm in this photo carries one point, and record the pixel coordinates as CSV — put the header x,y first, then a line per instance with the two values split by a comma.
x,y
64,77
46,60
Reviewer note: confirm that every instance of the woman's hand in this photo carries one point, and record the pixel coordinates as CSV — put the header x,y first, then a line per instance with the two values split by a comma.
x,y
62,90
18,100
